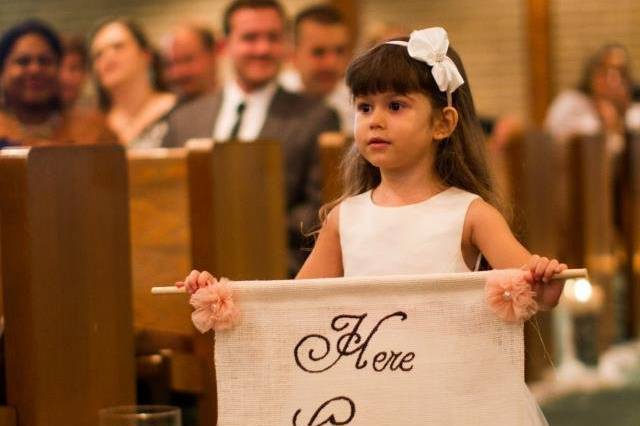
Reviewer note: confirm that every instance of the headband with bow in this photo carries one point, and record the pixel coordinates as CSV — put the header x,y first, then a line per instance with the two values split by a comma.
x,y
430,46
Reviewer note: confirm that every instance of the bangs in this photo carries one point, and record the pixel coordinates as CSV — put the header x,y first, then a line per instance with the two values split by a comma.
x,y
389,68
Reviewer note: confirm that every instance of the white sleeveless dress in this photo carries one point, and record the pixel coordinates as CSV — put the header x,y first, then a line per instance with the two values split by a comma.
x,y
420,238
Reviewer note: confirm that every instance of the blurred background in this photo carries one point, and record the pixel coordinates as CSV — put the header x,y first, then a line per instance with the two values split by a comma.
x,y
555,84
494,37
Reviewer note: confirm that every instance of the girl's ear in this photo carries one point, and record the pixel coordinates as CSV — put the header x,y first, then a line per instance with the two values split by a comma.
x,y
446,124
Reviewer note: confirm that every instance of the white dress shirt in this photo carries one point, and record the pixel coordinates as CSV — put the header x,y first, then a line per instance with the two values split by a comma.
x,y
255,112
339,99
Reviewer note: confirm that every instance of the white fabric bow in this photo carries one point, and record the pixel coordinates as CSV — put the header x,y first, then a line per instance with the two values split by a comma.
x,y
430,45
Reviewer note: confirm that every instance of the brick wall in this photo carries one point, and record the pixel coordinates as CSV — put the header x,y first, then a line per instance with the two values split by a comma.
x,y
490,36
78,16
580,27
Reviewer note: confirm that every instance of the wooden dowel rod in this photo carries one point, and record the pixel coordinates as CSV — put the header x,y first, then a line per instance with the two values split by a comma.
x,y
564,275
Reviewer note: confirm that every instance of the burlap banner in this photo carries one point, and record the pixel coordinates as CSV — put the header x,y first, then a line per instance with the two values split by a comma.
x,y
421,350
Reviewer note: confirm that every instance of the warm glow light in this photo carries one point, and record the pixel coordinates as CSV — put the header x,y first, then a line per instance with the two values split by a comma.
x,y
580,296
568,288
582,290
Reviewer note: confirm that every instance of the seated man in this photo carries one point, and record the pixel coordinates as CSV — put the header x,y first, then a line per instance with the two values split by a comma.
x,y
253,106
190,61
321,54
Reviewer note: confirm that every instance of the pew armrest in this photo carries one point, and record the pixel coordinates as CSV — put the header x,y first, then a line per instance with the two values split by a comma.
x,y
7,416
183,372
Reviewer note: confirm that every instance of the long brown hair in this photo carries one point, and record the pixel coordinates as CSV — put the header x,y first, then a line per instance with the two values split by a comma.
x,y
460,159
140,38
595,61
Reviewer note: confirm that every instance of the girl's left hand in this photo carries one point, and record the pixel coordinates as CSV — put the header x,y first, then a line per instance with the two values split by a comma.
x,y
540,273
195,281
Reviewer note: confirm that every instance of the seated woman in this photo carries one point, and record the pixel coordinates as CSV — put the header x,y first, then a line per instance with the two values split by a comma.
x,y
31,112
602,103
130,88
73,74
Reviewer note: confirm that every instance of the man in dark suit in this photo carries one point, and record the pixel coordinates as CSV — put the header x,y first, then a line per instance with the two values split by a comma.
x,y
253,106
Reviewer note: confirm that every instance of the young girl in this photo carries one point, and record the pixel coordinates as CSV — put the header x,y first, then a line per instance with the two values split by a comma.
x,y
418,195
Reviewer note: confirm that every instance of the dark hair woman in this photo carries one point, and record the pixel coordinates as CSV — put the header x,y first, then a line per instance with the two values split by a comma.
x,y
132,94
30,109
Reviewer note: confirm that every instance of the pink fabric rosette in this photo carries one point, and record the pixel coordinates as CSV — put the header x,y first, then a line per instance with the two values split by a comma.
x,y
510,296
214,308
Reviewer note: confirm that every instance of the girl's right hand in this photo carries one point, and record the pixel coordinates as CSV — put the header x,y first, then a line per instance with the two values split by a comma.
x,y
540,272
196,280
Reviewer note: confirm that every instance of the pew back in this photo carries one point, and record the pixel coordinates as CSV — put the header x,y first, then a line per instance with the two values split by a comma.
x,y
530,183
160,237
237,205
332,147
632,228
593,169
66,283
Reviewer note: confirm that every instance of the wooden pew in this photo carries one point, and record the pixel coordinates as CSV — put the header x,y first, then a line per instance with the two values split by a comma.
x,y
237,205
332,146
530,185
632,231
7,416
66,279
238,221
564,208
160,250
220,210
591,210
160,237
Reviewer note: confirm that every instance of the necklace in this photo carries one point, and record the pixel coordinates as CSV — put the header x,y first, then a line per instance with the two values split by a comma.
x,y
43,130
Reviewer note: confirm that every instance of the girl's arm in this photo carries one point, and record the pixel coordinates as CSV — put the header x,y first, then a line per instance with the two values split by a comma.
x,y
488,231
325,261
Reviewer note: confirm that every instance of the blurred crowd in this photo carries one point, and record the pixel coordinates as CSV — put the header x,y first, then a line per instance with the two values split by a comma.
x,y
127,89
114,85
285,82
